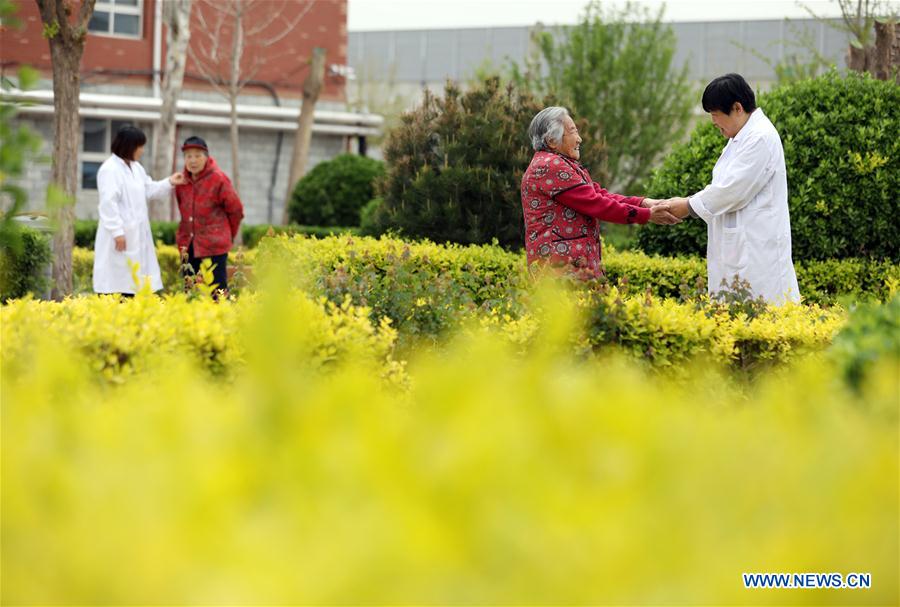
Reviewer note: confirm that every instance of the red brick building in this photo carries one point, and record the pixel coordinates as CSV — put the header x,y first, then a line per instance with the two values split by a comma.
x,y
121,72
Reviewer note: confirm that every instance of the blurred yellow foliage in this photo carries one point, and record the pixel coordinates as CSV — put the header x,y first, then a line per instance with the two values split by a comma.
x,y
502,467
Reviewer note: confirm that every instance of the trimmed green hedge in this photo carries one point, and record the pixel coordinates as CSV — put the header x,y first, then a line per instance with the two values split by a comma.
x,y
821,282
86,231
423,287
253,234
487,273
842,153
164,231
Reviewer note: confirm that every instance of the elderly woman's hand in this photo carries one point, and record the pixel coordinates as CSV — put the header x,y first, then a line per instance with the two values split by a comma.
x,y
661,214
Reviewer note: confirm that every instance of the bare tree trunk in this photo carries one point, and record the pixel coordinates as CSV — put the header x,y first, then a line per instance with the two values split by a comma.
x,y
234,88
64,171
177,17
312,87
885,39
66,48
857,58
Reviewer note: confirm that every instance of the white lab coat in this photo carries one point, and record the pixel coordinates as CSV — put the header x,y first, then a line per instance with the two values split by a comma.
x,y
746,211
124,191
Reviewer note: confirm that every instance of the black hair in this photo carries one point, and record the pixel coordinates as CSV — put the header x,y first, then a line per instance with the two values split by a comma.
x,y
722,93
128,139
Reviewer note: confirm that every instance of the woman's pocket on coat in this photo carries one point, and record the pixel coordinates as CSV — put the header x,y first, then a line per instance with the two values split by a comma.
x,y
734,251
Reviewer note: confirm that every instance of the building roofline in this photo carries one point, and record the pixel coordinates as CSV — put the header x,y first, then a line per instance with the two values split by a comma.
x,y
146,109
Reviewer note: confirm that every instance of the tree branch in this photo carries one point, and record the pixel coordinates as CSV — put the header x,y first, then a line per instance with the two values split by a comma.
x,y
84,15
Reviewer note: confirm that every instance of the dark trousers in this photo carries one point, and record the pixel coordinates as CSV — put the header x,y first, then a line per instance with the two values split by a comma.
x,y
220,269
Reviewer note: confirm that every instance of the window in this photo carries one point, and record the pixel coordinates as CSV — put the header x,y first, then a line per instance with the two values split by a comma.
x,y
97,140
117,18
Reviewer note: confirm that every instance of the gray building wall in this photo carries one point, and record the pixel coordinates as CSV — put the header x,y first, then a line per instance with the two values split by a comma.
x,y
429,57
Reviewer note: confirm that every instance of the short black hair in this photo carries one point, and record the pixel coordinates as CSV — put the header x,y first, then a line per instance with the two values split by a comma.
x,y
128,139
722,93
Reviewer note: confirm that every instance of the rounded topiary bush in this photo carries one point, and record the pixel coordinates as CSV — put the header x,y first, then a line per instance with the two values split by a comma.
x,y
455,164
334,192
842,151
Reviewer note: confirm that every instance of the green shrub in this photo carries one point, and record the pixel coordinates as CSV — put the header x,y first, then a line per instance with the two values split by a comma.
x,y
667,333
253,234
821,282
832,280
871,335
455,164
86,232
661,276
22,270
424,288
333,192
842,155
490,269
427,290
369,217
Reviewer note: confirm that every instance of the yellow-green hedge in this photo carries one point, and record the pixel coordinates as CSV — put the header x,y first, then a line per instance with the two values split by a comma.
x,y
485,275
821,282
427,290
668,334
495,478
116,339
424,288
169,264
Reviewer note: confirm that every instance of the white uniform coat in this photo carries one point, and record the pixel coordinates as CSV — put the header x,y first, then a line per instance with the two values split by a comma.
x,y
124,191
746,211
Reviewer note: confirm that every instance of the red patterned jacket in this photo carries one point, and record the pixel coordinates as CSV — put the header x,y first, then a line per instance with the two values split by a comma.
x,y
211,212
562,206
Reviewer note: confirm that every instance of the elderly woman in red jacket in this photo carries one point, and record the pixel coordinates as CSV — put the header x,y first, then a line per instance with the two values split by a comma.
x,y
211,211
563,206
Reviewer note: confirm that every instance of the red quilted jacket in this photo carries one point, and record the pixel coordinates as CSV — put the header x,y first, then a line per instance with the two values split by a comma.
x,y
211,212
563,207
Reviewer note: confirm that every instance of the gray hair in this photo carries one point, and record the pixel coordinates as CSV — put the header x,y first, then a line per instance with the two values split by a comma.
x,y
546,126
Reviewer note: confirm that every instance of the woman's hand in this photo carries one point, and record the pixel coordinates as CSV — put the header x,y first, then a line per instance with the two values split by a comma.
x,y
177,179
649,203
660,214
120,243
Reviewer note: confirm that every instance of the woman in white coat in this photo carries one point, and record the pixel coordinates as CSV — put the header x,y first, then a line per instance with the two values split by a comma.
x,y
123,234
746,205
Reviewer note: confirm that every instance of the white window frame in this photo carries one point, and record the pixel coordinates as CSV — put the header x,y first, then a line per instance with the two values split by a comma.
x,y
111,7
99,157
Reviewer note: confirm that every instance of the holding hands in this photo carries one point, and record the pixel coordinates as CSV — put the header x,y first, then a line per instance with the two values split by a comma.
x,y
660,211
666,212
679,207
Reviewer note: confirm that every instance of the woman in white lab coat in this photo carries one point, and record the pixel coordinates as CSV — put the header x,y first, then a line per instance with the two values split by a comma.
x,y
124,237
746,205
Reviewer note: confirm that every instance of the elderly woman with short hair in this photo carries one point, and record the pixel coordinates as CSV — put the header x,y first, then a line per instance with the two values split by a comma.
x,y
563,206
211,212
